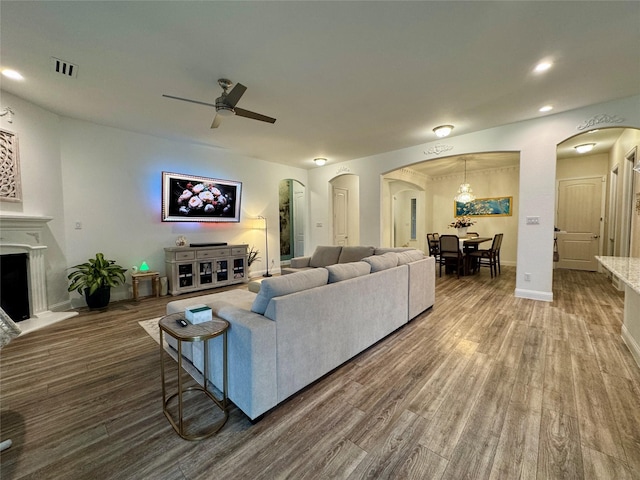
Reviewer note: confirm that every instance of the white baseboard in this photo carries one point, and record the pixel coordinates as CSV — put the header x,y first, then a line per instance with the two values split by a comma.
x,y
634,348
534,295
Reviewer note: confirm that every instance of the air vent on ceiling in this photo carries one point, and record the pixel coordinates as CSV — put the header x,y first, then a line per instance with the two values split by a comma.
x,y
65,68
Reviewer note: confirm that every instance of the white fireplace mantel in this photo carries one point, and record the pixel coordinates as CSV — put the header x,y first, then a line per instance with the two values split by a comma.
x,y
23,234
14,227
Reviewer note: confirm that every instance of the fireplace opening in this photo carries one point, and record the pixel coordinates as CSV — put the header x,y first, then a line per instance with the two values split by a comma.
x,y
14,286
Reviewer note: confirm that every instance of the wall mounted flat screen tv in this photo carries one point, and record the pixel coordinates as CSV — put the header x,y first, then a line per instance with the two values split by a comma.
x,y
190,198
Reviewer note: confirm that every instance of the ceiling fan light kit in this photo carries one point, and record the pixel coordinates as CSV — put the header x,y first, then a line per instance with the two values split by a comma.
x,y
226,104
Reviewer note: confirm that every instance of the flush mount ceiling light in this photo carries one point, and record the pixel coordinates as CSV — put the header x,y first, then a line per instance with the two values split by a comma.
x,y
585,147
546,108
465,194
12,74
443,130
320,161
542,67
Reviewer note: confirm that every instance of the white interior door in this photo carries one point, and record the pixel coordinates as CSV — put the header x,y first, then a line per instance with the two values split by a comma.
x,y
580,211
340,216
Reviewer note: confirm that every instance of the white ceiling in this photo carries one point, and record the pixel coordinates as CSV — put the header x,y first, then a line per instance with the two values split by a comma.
x,y
344,79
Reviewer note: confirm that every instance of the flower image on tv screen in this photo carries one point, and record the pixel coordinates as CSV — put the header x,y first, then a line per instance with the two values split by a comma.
x,y
191,198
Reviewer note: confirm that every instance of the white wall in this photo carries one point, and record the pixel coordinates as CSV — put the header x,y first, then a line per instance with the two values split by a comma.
x,y
38,133
113,186
110,181
536,140
583,166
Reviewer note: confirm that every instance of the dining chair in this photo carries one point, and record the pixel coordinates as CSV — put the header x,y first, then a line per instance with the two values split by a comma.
x,y
498,253
450,253
433,242
487,257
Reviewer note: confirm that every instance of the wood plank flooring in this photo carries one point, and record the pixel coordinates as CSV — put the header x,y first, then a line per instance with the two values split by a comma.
x,y
483,386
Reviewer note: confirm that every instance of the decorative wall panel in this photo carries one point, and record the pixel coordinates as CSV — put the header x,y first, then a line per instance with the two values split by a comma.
x,y
10,189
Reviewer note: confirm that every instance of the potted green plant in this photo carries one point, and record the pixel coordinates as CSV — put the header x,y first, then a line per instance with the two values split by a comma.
x,y
252,257
95,278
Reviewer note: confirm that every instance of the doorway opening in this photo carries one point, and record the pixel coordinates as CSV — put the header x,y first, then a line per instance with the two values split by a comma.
x,y
292,195
493,176
595,197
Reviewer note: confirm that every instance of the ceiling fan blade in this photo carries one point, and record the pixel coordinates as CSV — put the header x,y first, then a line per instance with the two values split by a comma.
x,y
217,120
191,101
234,95
241,112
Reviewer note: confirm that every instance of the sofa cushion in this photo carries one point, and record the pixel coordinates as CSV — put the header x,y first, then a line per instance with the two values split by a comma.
x,y
345,271
383,250
382,262
409,256
325,255
355,253
286,284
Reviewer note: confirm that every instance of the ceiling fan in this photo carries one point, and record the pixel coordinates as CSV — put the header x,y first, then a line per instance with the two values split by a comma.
x,y
226,104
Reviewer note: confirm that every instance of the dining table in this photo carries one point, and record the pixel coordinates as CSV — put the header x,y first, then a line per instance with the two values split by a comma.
x,y
469,245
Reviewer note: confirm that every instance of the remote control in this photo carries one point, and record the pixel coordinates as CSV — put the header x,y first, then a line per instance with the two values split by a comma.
x,y
182,322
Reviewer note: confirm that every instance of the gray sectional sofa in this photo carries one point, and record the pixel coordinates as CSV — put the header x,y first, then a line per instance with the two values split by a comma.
x,y
303,325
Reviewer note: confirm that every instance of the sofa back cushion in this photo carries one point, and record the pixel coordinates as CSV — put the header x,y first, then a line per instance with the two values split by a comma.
x,y
286,284
383,250
325,255
382,262
345,271
409,256
355,253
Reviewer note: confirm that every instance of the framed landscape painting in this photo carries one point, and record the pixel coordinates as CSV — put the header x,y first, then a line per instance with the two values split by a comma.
x,y
190,198
484,207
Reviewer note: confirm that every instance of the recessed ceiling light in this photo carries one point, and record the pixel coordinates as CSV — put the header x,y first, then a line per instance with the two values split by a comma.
x,y
585,147
542,67
443,130
320,161
12,74
546,108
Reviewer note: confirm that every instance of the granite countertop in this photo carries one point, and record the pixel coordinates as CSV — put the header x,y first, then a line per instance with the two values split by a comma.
x,y
627,268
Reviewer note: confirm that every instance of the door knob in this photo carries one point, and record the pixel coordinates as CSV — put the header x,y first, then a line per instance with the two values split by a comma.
x,y
595,236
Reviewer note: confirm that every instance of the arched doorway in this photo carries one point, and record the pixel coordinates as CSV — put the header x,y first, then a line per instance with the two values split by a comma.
x,y
595,197
491,175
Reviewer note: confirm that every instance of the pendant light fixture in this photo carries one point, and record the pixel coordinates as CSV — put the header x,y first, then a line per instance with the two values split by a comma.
x,y
465,194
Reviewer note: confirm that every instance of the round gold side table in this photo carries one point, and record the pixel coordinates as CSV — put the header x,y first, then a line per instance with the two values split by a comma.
x,y
201,332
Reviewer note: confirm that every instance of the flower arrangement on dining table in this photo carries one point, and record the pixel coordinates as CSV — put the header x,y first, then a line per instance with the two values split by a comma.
x,y
462,222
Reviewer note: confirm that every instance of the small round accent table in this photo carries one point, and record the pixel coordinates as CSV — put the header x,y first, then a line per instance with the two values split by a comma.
x,y
201,332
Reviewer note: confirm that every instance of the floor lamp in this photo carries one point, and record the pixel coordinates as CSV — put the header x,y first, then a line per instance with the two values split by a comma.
x,y
8,331
266,245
